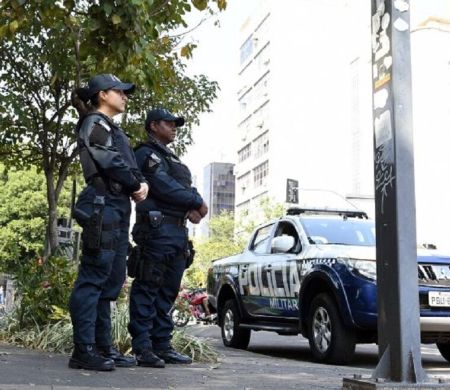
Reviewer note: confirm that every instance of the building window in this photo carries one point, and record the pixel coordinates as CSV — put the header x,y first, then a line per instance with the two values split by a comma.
x,y
261,115
244,128
243,183
244,153
242,209
260,174
246,100
261,87
261,144
246,49
262,59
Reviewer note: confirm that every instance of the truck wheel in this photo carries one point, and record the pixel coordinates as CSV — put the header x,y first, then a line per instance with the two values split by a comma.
x,y
232,335
444,349
329,339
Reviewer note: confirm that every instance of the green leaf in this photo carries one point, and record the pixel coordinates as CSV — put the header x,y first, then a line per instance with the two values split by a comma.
x,y
3,31
108,8
116,19
200,4
222,4
13,26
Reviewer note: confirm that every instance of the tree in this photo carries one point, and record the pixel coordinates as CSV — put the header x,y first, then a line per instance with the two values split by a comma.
x,y
221,242
268,209
227,237
23,206
47,48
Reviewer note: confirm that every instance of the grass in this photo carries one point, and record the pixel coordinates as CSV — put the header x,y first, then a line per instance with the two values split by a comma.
x,y
57,335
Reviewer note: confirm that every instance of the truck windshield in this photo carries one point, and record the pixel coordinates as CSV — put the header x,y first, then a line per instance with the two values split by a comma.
x,y
342,231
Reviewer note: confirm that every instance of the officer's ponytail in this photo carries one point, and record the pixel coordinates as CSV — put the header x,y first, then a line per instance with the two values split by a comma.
x,y
82,102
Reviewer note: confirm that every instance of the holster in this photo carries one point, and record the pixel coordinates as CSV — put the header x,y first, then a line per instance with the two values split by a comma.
x,y
93,228
133,261
190,254
144,270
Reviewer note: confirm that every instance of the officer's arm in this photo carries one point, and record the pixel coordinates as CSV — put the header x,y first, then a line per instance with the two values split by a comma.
x,y
166,188
108,159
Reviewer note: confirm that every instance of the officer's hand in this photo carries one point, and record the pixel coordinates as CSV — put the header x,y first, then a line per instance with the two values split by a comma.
x,y
203,210
141,193
194,216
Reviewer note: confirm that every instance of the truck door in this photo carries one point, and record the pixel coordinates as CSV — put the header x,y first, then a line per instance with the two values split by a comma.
x,y
253,287
281,272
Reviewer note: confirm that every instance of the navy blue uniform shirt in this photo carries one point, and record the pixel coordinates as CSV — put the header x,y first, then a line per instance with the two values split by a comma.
x,y
110,152
171,190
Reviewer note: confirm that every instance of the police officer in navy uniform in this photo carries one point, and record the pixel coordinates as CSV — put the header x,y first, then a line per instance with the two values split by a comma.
x,y
103,210
162,241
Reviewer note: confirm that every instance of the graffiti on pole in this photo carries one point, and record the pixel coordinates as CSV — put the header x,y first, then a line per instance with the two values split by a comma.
x,y
382,67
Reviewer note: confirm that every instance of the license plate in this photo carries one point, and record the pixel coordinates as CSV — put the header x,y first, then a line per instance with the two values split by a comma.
x,y
439,298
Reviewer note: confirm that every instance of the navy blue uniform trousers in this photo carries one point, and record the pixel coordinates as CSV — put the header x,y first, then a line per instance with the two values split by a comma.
x,y
164,250
101,274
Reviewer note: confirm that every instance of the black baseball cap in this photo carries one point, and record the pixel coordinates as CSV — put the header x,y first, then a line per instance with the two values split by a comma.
x,y
103,82
161,114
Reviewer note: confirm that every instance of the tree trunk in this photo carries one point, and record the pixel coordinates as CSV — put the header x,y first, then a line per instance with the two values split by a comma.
x,y
51,237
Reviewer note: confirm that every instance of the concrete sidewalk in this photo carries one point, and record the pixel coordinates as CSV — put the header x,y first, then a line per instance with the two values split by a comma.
x,y
236,369
25,369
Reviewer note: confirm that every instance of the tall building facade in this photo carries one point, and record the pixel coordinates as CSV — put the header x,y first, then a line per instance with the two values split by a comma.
x,y
290,125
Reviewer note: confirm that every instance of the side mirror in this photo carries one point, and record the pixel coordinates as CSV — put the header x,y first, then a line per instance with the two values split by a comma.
x,y
282,244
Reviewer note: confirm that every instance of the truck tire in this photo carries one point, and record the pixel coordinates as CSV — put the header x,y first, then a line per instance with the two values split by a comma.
x,y
444,349
330,341
232,335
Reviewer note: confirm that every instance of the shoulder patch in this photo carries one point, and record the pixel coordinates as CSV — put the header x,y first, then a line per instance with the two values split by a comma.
x,y
105,125
155,158
99,135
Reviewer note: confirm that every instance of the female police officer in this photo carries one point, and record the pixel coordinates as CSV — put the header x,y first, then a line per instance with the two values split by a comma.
x,y
103,210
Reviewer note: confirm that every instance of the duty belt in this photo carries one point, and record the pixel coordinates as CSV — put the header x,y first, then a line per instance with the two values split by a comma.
x,y
165,219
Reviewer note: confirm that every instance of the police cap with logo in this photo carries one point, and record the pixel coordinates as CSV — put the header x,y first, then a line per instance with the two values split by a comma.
x,y
161,114
103,82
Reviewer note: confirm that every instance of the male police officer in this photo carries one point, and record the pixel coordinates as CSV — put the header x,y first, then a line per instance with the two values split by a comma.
x,y
162,243
103,210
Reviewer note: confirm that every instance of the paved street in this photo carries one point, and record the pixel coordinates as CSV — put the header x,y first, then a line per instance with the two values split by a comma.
x,y
272,362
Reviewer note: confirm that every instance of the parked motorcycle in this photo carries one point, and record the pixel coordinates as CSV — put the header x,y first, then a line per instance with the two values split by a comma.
x,y
190,305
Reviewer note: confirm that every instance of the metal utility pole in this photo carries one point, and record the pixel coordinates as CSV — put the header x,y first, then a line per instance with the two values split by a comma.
x,y
400,363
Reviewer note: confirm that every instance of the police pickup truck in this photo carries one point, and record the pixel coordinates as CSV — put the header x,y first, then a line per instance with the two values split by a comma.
x,y
313,272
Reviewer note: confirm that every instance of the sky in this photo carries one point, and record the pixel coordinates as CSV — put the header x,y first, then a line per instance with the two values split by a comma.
x,y
217,56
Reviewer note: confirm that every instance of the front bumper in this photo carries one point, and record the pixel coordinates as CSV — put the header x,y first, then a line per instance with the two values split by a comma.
x,y
435,324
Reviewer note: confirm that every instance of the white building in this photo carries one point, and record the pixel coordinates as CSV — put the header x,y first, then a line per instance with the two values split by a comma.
x,y
293,80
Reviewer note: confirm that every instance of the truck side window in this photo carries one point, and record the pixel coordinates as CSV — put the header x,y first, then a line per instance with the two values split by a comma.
x,y
289,229
262,236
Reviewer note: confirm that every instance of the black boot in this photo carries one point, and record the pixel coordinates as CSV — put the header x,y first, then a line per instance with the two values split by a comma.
x,y
147,358
119,360
86,356
173,357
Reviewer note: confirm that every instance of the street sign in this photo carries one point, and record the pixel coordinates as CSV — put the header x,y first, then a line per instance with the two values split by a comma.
x,y
291,191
